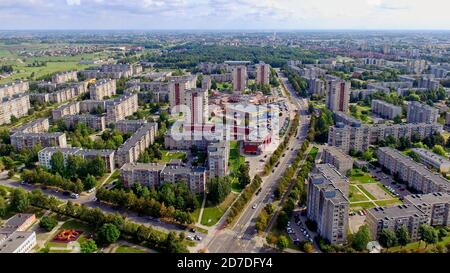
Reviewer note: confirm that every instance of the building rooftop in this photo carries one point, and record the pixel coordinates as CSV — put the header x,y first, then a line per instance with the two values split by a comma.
x,y
400,211
137,136
12,242
429,154
428,199
13,223
143,167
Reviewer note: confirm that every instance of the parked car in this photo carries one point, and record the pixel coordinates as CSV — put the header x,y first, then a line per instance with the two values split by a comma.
x,y
192,230
74,195
254,206
190,238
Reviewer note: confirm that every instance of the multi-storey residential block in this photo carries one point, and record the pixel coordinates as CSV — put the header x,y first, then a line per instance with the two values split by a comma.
x,y
18,222
337,158
91,121
120,108
178,87
418,113
429,83
195,177
418,130
328,205
415,174
129,126
130,151
18,242
11,89
206,83
39,125
45,156
113,71
262,73
64,77
218,155
66,109
226,77
432,160
436,205
102,88
346,119
338,94
346,137
393,218
197,101
386,110
239,75
17,106
28,140
89,106
316,86
147,174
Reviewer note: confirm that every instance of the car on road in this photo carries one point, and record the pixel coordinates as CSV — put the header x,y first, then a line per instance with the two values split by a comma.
x,y
74,195
193,230
190,238
198,238
261,160
254,206
258,192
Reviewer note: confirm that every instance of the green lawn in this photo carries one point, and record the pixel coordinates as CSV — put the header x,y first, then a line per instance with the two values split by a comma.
x,y
367,192
355,195
363,205
113,177
212,214
129,249
420,244
388,202
167,156
360,177
313,152
236,159
235,186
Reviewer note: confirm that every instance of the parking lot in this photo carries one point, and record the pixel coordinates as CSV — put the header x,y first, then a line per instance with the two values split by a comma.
x,y
297,230
398,190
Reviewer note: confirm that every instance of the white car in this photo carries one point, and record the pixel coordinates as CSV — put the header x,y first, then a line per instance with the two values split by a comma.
x,y
190,238
254,206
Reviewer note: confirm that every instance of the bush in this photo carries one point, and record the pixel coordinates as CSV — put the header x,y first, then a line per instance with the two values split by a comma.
x,y
48,223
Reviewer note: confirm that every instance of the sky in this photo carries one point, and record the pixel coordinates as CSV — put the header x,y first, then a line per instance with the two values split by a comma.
x,y
224,14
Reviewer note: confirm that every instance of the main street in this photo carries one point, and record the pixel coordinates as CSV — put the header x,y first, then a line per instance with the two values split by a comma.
x,y
241,236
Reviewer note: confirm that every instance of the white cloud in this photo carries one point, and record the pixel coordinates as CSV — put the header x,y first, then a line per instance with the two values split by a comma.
x,y
73,2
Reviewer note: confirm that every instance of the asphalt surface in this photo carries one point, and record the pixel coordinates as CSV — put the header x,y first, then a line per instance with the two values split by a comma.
x,y
242,236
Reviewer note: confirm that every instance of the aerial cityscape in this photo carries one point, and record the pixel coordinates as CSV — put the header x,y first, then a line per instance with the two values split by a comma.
x,y
307,137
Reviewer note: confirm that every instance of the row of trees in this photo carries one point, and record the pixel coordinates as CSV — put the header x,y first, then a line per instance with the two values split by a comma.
x,y
319,126
43,177
218,189
151,207
243,199
76,166
100,222
299,84
281,148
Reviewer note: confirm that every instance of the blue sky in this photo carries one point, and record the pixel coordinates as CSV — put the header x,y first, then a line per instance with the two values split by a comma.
x,y
224,14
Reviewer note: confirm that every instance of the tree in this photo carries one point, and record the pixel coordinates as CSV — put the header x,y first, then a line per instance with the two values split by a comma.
x,y
96,166
388,238
397,119
88,246
3,207
57,163
218,189
282,242
243,175
108,234
403,236
368,155
19,200
48,223
361,238
439,150
89,182
308,248
428,234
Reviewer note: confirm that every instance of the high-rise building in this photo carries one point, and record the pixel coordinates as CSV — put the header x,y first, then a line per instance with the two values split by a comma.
x,y
239,78
178,87
197,101
102,88
328,205
386,110
419,112
338,95
262,73
218,154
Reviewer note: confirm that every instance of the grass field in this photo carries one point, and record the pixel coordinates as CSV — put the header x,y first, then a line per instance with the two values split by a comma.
x,y
355,195
236,159
212,214
129,249
360,177
421,246
167,156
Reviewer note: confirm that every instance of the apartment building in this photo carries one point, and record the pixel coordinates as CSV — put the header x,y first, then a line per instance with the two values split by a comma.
x,y
338,94
66,109
92,121
88,106
197,101
102,88
194,176
347,137
432,160
218,155
262,73
178,87
155,91
428,83
18,242
206,82
14,88
359,136
113,71
147,174
129,126
28,140
18,222
225,77
45,155
436,205
386,110
327,205
394,218
422,113
416,175
17,106
239,75
120,108
130,151
346,119
342,162
39,125
64,77
316,86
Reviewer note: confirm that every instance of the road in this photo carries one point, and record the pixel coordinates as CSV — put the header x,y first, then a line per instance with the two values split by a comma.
x,y
241,237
